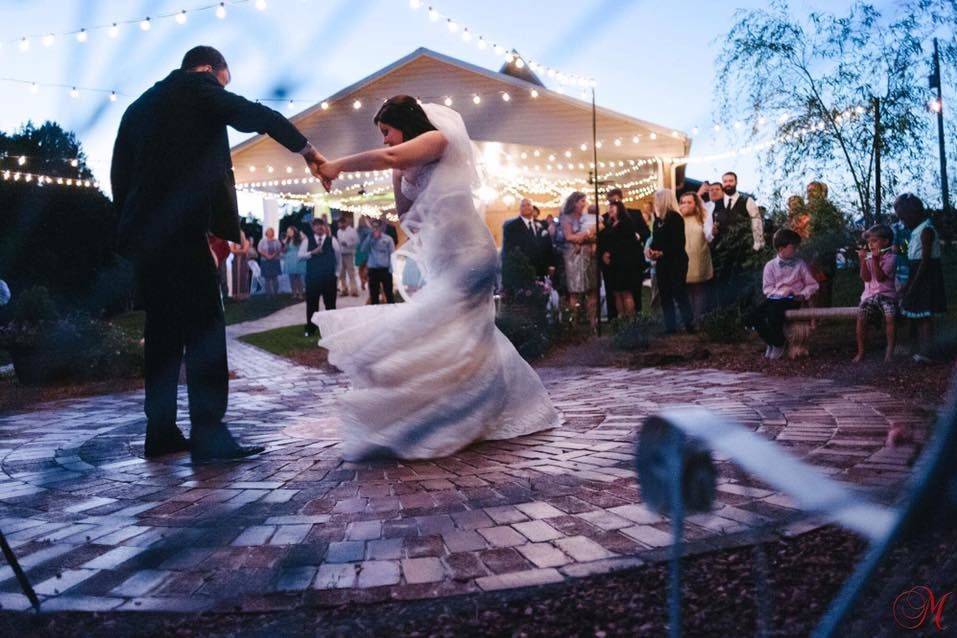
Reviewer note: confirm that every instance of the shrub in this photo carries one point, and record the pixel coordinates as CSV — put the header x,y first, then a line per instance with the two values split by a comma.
x,y
724,325
48,349
529,337
631,333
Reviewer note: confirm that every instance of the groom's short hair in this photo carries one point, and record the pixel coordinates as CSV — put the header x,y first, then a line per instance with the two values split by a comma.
x,y
201,56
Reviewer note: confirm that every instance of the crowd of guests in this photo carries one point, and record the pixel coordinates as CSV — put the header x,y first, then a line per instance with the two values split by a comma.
x,y
691,251
320,263
697,253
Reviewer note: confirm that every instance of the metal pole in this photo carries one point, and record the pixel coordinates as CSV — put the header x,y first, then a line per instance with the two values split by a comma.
x,y
594,147
18,572
935,81
877,159
677,533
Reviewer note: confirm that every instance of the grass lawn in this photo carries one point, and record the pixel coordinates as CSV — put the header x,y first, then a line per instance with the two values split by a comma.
x,y
236,312
282,341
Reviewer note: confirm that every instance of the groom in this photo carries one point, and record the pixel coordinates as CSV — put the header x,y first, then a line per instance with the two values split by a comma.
x,y
173,184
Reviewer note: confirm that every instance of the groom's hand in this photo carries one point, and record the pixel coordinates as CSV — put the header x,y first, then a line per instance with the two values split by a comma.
x,y
314,160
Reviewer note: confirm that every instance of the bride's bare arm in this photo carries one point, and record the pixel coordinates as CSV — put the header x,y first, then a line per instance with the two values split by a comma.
x,y
402,204
423,149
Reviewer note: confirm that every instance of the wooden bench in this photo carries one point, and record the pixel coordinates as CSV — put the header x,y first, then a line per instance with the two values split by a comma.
x,y
797,326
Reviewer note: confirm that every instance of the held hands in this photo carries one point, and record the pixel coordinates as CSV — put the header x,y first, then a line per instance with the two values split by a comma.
x,y
314,160
329,171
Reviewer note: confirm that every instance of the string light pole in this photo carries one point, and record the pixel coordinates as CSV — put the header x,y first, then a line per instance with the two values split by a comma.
x,y
594,147
938,106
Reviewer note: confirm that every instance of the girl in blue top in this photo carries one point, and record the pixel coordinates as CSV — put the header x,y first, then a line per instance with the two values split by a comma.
x,y
923,296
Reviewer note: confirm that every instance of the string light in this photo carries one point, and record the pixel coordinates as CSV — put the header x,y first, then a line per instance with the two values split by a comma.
x,y
43,180
145,24
476,99
261,5
24,44
114,30
534,93
510,57
506,97
357,105
447,101
81,36
221,11
181,17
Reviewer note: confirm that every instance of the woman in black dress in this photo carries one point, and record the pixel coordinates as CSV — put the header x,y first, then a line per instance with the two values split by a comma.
x,y
671,260
622,255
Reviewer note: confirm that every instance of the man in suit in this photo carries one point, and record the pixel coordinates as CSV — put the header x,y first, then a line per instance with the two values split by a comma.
x,y
738,232
323,259
525,235
173,184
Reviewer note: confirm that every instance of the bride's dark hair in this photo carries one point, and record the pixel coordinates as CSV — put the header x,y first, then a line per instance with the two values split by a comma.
x,y
404,112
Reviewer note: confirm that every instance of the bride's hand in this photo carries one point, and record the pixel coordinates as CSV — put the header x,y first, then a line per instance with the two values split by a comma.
x,y
329,171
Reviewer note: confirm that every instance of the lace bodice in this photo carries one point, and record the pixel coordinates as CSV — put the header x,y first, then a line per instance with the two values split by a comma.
x,y
414,180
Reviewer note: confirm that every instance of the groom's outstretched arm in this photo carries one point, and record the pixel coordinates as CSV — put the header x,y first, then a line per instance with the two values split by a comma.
x,y
249,117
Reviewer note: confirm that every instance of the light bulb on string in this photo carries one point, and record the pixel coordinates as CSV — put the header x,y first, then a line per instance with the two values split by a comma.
x,y
534,93
499,49
694,131
24,44
357,105
415,4
34,88
635,139
448,101
114,30
453,27
617,142
509,57
74,93
81,36
466,35
481,43
49,40
22,160
74,163
520,63
653,136
583,147
261,5
145,24
476,99
506,97
324,106
112,96
292,104
433,15
181,17
221,10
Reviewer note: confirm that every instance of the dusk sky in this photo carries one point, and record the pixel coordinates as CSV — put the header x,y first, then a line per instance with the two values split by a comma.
x,y
651,60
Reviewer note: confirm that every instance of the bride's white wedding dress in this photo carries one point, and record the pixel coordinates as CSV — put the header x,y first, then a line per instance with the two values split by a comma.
x,y
434,374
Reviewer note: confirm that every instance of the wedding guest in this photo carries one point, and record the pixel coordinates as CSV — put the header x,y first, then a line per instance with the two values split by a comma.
x,y
700,271
643,230
320,251
787,281
671,260
295,268
241,274
799,220
621,254
270,254
738,233
348,241
379,247
362,255
879,299
523,234
579,236
923,296
826,235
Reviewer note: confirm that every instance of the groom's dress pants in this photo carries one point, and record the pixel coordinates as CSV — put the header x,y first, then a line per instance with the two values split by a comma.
x,y
184,315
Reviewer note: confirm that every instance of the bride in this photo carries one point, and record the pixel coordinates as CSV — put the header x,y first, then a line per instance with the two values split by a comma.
x,y
432,375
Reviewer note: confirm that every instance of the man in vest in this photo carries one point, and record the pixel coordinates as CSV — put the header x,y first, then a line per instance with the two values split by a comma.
x,y
738,234
323,261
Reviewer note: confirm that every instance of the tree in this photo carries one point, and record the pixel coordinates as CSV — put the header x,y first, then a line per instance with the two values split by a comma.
x,y
817,81
57,236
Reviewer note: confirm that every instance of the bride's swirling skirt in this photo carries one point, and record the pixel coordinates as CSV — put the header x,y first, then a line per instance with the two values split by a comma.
x,y
433,375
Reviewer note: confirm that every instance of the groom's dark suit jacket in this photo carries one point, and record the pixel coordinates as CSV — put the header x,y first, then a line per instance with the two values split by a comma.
x,y
172,174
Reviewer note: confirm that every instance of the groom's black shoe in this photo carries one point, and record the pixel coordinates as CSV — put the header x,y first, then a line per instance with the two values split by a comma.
x,y
212,444
163,440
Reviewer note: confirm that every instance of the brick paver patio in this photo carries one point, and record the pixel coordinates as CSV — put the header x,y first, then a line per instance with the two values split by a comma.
x,y
97,527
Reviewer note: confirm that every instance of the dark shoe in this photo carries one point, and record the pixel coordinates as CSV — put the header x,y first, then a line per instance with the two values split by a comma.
x,y
213,444
161,441
311,329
